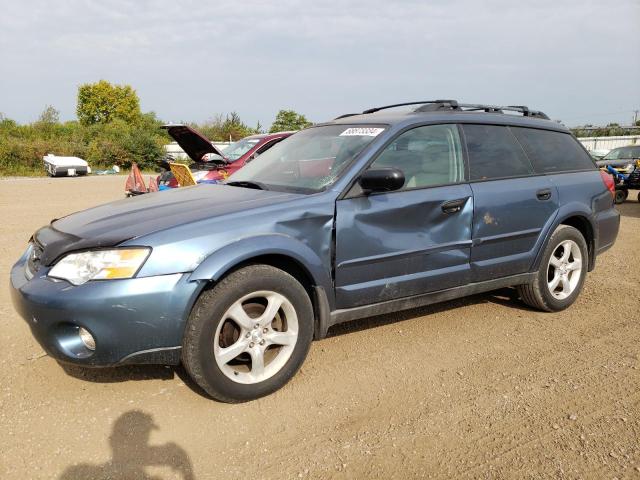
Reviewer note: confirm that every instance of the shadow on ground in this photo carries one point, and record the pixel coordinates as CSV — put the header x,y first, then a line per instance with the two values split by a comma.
x,y
133,373
507,297
631,207
131,453
120,374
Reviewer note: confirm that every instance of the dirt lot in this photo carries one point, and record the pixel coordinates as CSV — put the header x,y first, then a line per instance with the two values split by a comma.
x,y
477,388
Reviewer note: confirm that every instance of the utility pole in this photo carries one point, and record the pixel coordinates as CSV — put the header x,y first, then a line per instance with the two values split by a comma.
x,y
635,116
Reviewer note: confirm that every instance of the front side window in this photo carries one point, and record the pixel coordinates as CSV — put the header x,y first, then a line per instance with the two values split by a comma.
x,y
623,153
239,148
494,153
307,161
552,152
428,156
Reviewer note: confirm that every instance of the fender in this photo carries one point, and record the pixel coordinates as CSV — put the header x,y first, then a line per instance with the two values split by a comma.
x,y
571,209
220,261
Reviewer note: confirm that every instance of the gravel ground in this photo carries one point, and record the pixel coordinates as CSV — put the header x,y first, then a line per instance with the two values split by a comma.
x,y
481,387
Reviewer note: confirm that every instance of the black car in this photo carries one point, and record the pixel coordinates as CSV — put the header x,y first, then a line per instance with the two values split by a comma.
x,y
622,159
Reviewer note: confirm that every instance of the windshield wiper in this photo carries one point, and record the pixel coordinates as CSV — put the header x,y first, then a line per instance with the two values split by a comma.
x,y
248,184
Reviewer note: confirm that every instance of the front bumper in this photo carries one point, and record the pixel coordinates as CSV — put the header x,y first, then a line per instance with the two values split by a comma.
x,y
138,320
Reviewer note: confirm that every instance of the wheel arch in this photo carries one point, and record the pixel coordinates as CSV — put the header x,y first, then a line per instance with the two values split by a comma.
x,y
580,220
279,251
585,227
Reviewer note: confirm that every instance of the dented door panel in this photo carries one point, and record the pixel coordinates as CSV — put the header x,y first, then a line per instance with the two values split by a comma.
x,y
509,217
398,244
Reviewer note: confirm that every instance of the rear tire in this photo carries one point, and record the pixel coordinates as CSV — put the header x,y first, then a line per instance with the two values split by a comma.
x,y
248,335
561,274
621,196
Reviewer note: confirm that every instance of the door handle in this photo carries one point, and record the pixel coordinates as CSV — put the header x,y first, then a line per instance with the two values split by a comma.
x,y
453,206
544,194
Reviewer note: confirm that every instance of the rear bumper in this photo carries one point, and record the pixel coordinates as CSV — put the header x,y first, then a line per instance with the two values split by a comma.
x,y
608,225
138,320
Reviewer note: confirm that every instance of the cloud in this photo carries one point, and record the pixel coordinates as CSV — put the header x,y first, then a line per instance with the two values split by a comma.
x,y
191,59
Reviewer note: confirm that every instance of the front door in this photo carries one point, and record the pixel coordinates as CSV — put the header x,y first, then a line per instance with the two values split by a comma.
x,y
414,240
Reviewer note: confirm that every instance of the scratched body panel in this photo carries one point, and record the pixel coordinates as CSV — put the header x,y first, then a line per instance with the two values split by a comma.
x,y
398,244
507,222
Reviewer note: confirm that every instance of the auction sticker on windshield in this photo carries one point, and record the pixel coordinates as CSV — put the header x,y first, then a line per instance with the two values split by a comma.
x,y
361,132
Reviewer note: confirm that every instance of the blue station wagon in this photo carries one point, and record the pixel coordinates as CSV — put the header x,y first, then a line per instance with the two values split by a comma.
x,y
367,214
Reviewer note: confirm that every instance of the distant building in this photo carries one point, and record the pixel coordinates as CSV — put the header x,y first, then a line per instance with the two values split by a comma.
x,y
604,144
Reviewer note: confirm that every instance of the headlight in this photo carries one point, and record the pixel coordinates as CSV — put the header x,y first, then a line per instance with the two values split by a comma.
x,y
79,268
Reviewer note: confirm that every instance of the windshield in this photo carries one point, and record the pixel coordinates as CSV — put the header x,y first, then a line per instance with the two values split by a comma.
x,y
239,148
623,152
310,160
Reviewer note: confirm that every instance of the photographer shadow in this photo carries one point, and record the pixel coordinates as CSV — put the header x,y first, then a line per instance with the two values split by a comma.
x,y
131,453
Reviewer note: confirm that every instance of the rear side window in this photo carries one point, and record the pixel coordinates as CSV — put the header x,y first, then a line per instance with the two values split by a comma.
x,y
494,153
552,152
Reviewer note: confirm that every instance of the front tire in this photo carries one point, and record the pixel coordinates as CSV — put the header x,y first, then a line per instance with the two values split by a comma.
x,y
248,335
561,274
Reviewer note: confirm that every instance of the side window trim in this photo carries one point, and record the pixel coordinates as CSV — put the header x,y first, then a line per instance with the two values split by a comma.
x,y
267,145
465,153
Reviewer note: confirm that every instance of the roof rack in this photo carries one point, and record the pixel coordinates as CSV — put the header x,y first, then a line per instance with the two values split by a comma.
x,y
440,105
452,103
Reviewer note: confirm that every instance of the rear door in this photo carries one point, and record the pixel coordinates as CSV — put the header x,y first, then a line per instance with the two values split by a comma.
x,y
413,240
512,204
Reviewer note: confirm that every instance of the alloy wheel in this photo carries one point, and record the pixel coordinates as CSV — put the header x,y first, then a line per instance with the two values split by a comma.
x,y
564,269
256,337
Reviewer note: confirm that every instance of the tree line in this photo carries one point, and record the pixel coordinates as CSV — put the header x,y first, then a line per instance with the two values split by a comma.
x,y
610,130
110,130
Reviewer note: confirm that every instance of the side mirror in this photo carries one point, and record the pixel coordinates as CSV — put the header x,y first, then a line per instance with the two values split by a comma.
x,y
381,180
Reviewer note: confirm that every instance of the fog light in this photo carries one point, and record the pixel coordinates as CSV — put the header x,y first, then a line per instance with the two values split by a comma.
x,y
87,338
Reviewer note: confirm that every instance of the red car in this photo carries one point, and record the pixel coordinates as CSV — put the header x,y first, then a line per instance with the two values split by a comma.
x,y
212,165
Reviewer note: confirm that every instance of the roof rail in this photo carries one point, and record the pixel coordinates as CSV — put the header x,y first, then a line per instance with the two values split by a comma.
x,y
439,105
523,109
452,103
346,115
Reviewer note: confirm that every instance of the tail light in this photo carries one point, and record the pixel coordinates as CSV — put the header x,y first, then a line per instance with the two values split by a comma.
x,y
608,182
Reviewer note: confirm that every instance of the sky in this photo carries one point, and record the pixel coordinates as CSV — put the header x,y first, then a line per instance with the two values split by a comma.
x,y
578,61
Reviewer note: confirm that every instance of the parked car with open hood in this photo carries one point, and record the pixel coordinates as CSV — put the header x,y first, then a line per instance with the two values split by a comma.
x,y
364,215
210,164
622,159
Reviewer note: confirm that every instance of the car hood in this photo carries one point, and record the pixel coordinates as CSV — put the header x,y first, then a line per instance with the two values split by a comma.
x,y
114,223
193,143
619,162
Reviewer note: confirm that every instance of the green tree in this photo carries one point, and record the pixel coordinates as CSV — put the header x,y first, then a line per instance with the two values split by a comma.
x,y
234,129
225,128
103,102
289,120
49,115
